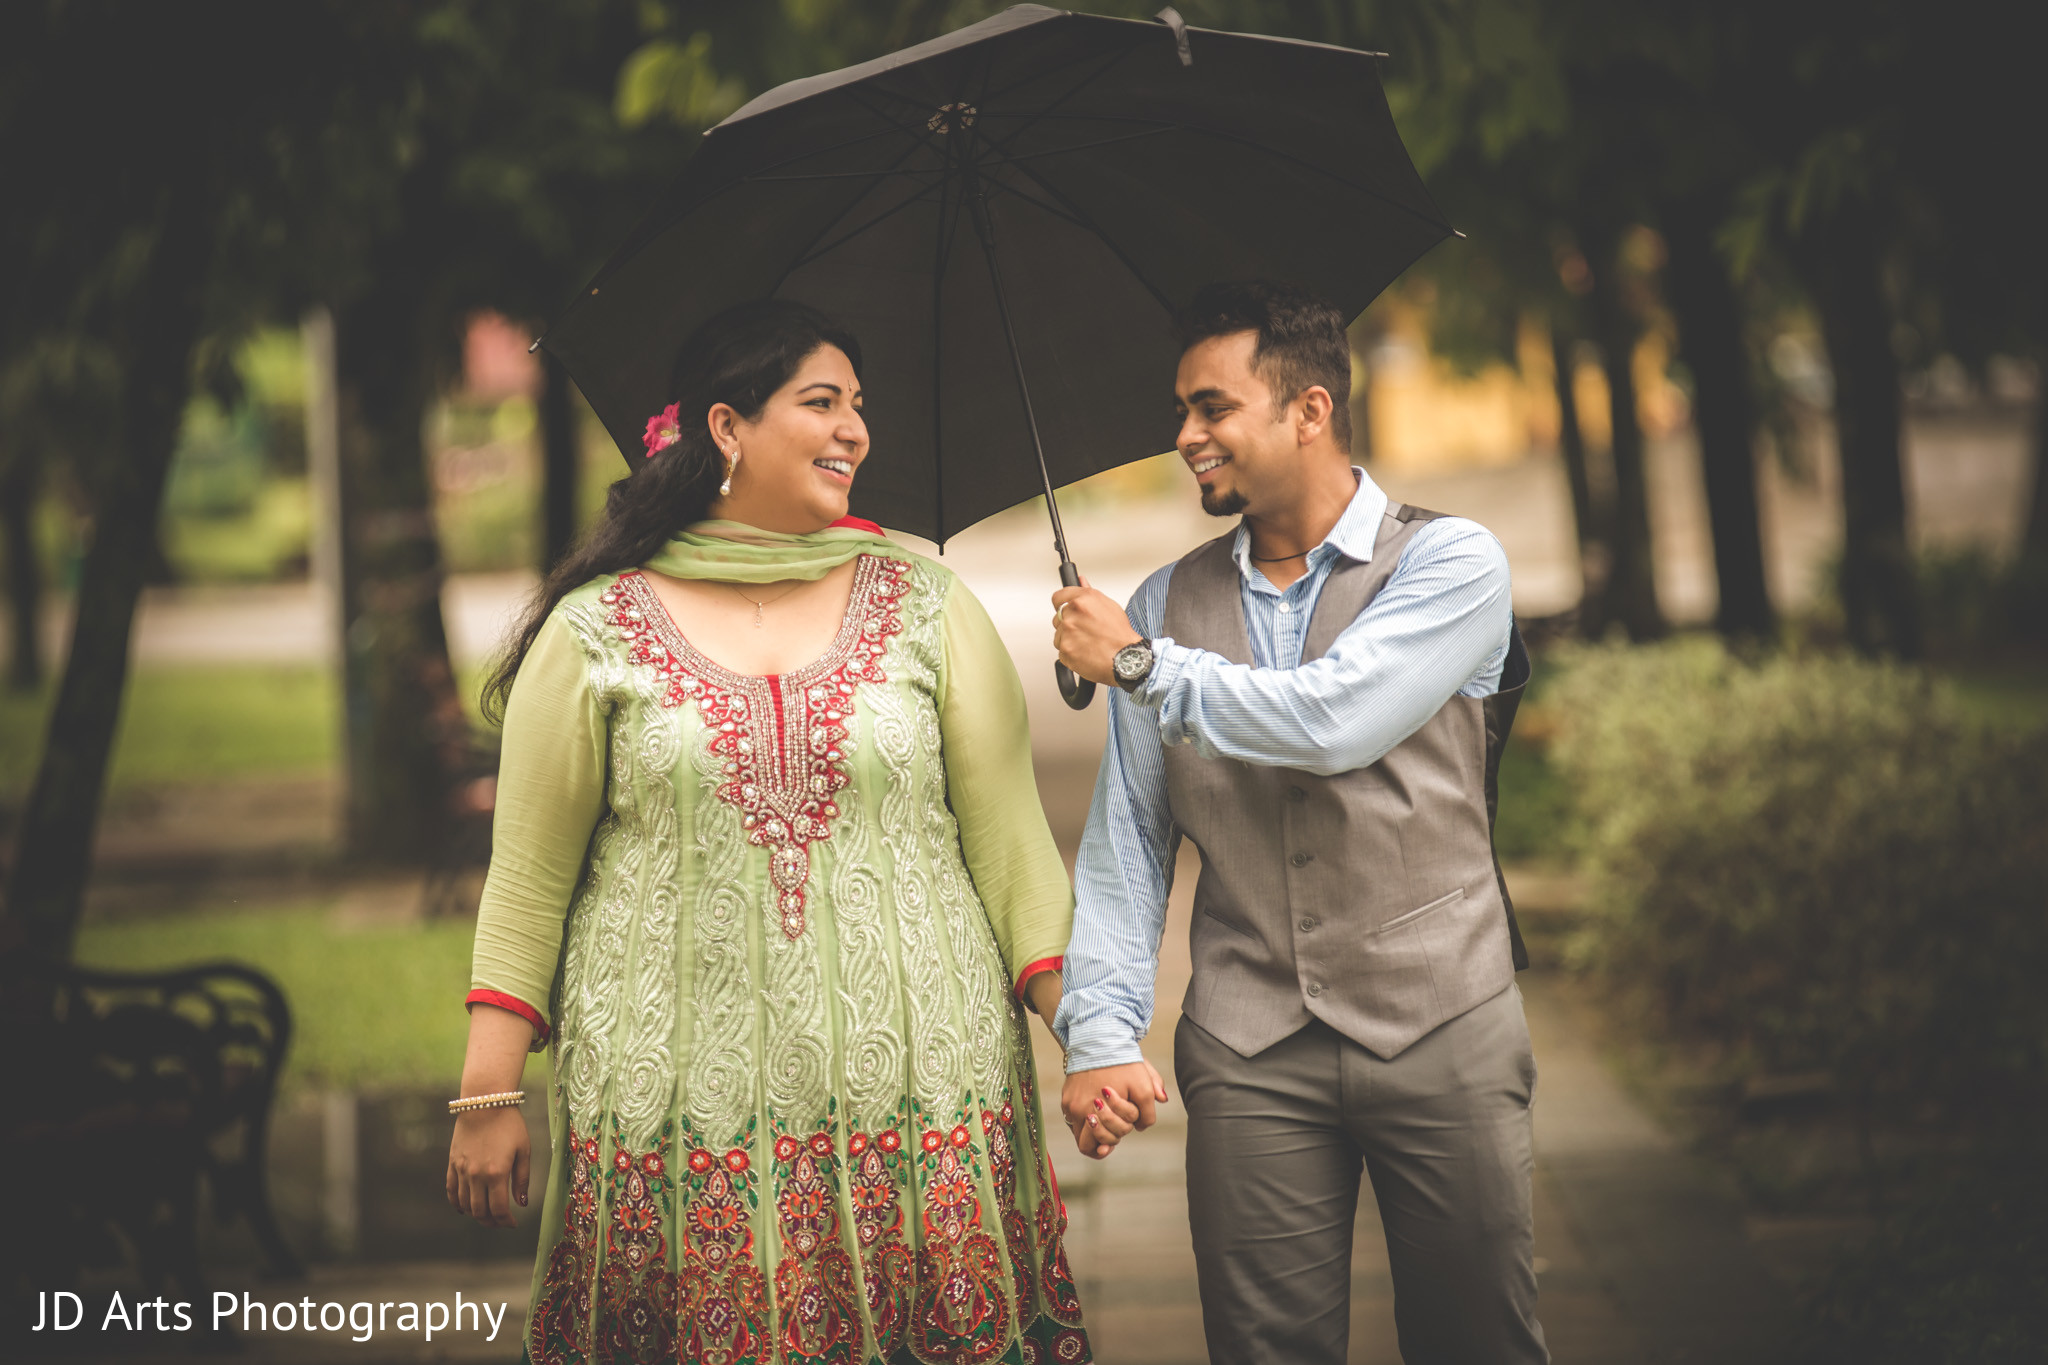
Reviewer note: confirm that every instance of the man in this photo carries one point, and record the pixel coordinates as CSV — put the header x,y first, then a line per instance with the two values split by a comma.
x,y
1317,699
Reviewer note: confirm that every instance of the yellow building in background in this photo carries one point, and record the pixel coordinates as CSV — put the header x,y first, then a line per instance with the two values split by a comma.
x,y
1425,416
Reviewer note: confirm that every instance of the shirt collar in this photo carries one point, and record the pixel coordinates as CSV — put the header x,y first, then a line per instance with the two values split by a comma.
x,y
1353,536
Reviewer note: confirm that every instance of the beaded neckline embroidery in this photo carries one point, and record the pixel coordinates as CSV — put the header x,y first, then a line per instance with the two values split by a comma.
x,y
780,737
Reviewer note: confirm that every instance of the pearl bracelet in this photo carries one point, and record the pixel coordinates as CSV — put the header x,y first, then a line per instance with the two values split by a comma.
x,y
504,1099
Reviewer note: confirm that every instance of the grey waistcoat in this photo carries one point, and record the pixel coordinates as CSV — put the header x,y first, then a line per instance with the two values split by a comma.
x,y
1369,899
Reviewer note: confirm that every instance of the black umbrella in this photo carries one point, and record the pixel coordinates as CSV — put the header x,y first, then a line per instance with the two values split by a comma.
x,y
1031,196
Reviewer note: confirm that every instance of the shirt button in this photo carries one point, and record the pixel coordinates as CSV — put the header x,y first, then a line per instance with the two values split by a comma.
x,y
1284,608
1301,859
1307,924
1316,988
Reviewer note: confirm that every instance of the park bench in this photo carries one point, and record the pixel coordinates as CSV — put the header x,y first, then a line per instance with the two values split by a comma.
x,y
134,1090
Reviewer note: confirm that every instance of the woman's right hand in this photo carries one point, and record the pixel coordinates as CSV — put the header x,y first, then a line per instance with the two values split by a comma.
x,y
490,1154
488,1164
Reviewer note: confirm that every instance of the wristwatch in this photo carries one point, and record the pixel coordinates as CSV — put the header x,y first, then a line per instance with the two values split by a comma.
x,y
1133,664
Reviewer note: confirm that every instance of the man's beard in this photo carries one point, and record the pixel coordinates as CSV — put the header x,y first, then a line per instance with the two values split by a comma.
x,y
1221,504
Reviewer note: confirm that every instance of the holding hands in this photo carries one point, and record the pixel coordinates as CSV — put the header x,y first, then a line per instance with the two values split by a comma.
x,y
1105,1105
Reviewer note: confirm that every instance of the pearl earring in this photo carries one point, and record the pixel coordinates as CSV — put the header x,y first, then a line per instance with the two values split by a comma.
x,y
732,460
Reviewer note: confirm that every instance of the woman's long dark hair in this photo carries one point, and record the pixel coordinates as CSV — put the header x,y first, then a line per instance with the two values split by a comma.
x,y
739,358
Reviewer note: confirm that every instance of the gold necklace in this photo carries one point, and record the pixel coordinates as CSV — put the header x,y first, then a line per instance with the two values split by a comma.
x,y
759,603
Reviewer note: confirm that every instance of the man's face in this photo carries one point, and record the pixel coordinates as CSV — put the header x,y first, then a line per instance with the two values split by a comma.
x,y
1241,447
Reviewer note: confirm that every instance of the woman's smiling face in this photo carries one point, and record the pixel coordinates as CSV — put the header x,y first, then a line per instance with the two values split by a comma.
x,y
798,457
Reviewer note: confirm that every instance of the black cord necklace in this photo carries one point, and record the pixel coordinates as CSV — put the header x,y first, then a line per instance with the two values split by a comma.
x,y
1276,559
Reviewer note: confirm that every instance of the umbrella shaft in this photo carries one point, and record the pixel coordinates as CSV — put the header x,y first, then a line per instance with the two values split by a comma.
x,y
986,232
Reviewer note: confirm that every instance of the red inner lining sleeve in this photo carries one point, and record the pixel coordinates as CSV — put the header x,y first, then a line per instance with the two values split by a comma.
x,y
1044,964
517,1006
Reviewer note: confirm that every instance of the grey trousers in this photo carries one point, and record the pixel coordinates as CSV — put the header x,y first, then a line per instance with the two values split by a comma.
x,y
1275,1144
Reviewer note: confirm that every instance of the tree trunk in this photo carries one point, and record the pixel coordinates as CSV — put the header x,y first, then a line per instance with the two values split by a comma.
x,y
1697,286
155,342
1589,517
560,465
1839,261
1632,586
407,733
18,488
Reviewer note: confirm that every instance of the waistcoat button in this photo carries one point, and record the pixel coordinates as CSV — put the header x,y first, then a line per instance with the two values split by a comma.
x,y
1301,859
1307,924
1296,794
1316,988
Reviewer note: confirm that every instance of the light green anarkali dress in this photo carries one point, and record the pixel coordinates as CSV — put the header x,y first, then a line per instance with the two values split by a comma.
x,y
777,926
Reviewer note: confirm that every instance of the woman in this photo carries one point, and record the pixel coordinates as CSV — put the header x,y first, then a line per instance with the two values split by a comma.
x,y
770,870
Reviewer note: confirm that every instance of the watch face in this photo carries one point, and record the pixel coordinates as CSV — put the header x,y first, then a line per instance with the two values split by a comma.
x,y
1132,662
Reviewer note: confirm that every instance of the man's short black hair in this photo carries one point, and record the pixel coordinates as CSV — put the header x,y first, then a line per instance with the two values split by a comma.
x,y
1301,340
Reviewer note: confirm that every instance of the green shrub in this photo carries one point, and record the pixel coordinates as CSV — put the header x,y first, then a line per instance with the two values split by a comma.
x,y
1817,863
1960,1277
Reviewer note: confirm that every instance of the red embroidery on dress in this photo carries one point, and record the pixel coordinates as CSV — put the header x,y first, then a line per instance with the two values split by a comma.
x,y
721,1295
876,1168
814,1280
636,1315
559,1333
783,781
963,1310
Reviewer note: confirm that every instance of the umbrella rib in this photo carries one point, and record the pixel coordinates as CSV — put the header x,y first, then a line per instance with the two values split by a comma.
x,y
1003,160
848,175
1073,90
1053,209
827,151
1083,220
1260,147
1325,174
1009,160
814,251
809,248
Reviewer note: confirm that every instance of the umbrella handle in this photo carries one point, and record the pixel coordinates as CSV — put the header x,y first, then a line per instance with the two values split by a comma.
x,y
1077,692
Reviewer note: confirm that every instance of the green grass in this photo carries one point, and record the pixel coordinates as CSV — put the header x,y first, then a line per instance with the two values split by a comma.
x,y
2007,697
255,545
193,724
374,1005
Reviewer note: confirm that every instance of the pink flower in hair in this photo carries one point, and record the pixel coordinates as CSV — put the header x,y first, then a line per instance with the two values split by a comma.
x,y
664,429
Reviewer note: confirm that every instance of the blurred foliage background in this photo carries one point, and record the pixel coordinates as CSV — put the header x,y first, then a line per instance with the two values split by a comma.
x,y
1810,830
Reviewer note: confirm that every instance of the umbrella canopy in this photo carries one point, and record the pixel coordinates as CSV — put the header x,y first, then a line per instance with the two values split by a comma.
x,y
1110,166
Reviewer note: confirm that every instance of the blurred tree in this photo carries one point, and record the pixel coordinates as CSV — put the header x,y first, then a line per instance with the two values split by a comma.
x,y
20,490
122,213
1882,171
477,162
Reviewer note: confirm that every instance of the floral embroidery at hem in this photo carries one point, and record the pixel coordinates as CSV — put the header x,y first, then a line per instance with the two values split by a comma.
x,y
659,1254
962,1313
721,1295
877,1167
636,1299
1047,1342
816,1299
1056,1278
781,736
559,1333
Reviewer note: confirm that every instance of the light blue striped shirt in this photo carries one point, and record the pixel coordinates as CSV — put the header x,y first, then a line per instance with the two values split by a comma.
x,y
1438,629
